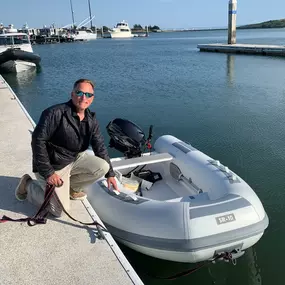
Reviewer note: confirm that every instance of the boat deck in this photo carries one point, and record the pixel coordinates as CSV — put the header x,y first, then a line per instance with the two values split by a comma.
x,y
270,50
61,251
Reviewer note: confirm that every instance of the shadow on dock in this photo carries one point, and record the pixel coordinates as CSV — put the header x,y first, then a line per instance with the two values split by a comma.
x,y
8,202
10,206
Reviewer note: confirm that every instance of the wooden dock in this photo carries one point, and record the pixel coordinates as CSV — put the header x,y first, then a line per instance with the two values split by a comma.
x,y
270,50
61,251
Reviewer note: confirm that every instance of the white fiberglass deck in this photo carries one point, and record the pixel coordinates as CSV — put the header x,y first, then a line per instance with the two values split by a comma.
x,y
62,251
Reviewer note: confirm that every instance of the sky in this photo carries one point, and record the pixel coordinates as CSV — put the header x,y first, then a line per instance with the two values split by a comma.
x,y
167,14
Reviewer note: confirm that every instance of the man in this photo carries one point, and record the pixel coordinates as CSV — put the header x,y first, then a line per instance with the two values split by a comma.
x,y
59,140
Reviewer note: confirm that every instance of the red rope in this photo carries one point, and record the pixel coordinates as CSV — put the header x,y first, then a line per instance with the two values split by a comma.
x,y
190,271
41,216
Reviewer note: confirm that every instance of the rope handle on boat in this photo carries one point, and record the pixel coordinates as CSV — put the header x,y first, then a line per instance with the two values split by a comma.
x,y
41,216
226,256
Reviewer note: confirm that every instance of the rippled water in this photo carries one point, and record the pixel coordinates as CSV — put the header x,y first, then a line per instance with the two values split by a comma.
x,y
231,107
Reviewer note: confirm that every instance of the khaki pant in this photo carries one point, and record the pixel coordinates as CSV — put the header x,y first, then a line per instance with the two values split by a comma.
x,y
82,172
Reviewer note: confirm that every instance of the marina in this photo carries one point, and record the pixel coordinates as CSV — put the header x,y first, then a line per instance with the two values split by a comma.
x,y
215,99
231,113
72,32
60,251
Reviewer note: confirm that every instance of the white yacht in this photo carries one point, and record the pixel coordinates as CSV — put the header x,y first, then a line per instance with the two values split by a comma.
x,y
16,52
121,30
85,35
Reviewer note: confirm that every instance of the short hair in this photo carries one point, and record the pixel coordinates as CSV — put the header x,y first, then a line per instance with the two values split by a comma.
x,y
83,80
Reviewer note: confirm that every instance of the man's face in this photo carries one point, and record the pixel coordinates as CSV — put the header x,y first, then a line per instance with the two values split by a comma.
x,y
81,101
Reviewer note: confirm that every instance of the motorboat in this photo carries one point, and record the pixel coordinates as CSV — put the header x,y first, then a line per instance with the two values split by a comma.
x,y
175,202
84,35
16,53
121,30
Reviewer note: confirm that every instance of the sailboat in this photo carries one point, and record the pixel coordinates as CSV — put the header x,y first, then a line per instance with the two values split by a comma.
x,y
81,33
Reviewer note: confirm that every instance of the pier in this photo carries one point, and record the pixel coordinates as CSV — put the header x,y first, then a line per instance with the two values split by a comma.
x,y
244,49
61,251
238,48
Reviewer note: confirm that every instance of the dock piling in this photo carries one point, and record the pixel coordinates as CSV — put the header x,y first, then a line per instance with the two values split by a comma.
x,y
232,22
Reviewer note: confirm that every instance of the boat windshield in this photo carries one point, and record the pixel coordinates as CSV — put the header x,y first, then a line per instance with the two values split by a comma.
x,y
122,24
14,40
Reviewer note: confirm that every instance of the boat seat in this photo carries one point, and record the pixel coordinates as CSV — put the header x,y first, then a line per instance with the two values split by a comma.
x,y
142,160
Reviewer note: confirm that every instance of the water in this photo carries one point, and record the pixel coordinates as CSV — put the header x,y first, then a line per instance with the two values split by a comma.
x,y
231,107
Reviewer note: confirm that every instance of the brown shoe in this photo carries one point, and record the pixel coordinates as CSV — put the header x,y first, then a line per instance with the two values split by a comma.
x,y
77,195
21,191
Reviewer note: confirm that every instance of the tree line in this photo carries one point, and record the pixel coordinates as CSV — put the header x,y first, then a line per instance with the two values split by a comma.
x,y
150,28
265,25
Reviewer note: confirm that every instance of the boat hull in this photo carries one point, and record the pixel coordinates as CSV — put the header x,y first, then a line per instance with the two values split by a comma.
x,y
186,256
215,211
16,66
163,230
85,37
118,35
16,60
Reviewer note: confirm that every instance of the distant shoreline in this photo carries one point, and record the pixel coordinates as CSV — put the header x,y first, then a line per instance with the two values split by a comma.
x,y
203,30
170,31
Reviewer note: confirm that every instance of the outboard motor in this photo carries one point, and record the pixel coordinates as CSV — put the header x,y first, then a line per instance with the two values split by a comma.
x,y
127,137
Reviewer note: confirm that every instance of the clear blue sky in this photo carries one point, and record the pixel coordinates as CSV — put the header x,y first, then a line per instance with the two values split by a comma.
x,y
164,13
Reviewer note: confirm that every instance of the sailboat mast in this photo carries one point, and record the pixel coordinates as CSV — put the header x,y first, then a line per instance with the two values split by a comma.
x,y
72,13
90,15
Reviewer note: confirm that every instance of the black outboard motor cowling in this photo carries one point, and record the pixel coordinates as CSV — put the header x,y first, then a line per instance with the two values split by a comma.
x,y
126,137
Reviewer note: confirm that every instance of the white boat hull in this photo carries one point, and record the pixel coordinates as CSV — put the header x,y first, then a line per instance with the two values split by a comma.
x,y
121,35
17,66
186,256
88,37
118,35
196,210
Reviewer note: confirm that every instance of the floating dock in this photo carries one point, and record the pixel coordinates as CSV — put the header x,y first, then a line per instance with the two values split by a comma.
x,y
271,50
61,251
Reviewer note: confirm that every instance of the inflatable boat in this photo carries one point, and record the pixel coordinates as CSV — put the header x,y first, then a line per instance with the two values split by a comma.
x,y
16,52
12,60
175,202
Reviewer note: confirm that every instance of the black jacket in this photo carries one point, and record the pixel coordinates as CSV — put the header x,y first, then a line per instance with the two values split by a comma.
x,y
56,140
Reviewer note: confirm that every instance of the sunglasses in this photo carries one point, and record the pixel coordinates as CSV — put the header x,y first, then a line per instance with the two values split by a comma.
x,y
81,93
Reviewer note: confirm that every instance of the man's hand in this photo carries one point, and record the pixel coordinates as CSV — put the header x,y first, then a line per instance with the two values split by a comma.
x,y
112,181
55,180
